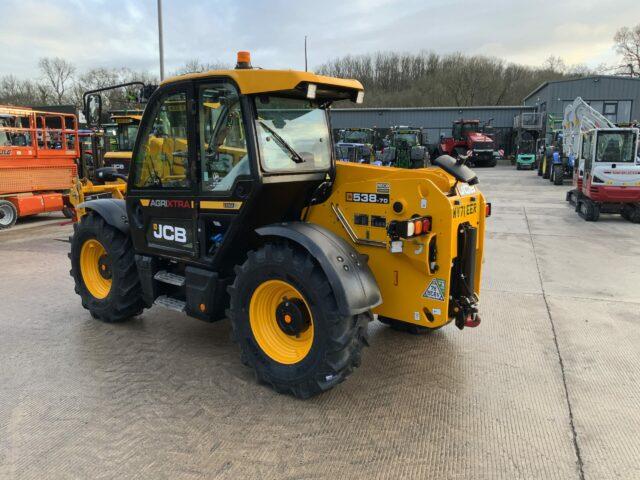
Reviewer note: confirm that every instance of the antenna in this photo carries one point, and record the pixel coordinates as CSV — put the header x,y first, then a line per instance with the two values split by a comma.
x,y
305,53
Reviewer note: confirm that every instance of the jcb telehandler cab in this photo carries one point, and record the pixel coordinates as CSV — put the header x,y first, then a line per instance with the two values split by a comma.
x,y
236,208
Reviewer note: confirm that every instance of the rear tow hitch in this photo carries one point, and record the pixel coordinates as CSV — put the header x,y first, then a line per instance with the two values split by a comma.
x,y
467,313
472,320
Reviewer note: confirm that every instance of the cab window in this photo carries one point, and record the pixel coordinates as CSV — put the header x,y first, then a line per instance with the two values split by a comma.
x,y
162,159
223,145
586,147
293,135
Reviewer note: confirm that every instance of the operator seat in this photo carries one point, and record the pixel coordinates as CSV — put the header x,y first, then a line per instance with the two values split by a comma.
x,y
611,152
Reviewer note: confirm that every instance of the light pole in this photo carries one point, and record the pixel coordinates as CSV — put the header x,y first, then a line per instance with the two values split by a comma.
x,y
160,40
305,53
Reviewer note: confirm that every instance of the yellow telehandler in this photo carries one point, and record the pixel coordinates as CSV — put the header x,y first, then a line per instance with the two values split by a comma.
x,y
236,208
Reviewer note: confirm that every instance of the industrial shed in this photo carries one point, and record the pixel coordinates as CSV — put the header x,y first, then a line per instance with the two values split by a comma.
x,y
617,98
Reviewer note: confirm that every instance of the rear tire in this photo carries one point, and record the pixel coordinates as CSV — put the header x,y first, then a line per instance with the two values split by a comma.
x,y
297,362
558,174
8,214
545,170
69,212
104,270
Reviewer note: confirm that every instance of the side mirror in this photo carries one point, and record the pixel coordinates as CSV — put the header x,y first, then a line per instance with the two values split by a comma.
x,y
93,109
109,174
457,170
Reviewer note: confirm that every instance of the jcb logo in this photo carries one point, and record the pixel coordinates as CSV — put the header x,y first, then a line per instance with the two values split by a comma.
x,y
170,233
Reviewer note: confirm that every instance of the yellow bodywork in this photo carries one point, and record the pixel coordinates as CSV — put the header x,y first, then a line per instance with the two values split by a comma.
x,y
84,189
118,155
251,81
404,277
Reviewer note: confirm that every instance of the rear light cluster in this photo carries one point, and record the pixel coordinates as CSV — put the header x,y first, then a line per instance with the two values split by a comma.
x,y
410,228
487,210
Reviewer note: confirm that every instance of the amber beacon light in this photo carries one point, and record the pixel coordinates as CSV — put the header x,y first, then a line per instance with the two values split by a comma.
x,y
244,60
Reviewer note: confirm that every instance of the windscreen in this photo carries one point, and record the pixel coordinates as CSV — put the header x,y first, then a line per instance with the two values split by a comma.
x,y
357,136
127,137
293,134
410,138
616,147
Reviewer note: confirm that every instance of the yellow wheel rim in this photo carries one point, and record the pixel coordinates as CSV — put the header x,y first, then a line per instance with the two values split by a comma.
x,y
96,273
279,346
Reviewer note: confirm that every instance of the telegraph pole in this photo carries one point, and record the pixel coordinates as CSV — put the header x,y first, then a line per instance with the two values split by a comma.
x,y
305,53
160,42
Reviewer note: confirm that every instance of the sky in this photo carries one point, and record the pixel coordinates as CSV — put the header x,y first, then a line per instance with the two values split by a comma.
x,y
117,33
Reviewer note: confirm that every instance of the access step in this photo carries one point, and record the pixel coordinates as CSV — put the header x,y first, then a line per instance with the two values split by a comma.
x,y
171,303
170,278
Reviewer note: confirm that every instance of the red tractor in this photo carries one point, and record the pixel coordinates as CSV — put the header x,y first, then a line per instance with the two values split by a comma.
x,y
466,140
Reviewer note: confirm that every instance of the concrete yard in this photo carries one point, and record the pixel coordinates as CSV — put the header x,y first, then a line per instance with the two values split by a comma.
x,y
547,387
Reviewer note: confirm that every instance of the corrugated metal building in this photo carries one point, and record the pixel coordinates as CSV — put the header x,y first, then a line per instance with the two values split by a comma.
x,y
618,98
436,121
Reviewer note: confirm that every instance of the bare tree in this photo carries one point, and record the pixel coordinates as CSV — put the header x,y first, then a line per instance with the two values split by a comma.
x,y
430,80
195,66
113,99
555,64
58,75
627,41
14,91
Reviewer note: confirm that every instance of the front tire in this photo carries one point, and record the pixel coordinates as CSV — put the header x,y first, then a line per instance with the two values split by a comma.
x,y
8,214
285,318
104,270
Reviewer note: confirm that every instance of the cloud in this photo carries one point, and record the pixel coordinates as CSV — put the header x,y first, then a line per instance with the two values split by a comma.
x,y
114,33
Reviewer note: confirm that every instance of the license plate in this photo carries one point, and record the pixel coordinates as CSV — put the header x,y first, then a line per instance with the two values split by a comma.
x,y
466,189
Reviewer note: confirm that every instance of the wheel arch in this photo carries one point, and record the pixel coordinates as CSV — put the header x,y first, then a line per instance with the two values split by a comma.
x,y
112,210
353,283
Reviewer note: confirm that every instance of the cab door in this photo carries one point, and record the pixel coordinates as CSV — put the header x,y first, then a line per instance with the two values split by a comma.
x,y
161,190
226,169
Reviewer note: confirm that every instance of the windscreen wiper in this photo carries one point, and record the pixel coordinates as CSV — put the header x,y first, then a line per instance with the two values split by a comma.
x,y
295,156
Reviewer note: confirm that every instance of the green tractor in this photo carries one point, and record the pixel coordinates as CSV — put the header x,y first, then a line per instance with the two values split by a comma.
x,y
406,148
356,145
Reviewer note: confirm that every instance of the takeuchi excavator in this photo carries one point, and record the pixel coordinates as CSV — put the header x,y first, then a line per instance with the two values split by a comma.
x,y
606,175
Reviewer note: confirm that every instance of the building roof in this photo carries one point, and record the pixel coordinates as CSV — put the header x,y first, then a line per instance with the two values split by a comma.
x,y
573,79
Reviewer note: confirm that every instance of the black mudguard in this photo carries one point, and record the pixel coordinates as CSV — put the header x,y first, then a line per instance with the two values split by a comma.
x,y
350,277
113,210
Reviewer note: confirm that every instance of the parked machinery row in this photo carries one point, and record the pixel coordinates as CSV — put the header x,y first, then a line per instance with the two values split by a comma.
x,y
600,157
408,147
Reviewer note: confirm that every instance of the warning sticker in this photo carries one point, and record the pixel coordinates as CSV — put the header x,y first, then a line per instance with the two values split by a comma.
x,y
435,289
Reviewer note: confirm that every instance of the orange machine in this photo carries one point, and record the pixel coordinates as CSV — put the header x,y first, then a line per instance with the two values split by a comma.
x,y
38,154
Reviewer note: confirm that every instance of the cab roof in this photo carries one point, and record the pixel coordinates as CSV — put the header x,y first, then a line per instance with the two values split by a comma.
x,y
254,80
133,116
